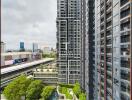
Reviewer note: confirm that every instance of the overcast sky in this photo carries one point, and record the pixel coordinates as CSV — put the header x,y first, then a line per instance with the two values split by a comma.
x,y
28,21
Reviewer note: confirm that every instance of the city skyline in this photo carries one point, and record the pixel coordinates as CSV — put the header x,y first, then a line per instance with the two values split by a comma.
x,y
29,22
89,43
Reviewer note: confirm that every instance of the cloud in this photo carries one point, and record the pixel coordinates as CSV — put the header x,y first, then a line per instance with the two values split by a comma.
x,y
29,21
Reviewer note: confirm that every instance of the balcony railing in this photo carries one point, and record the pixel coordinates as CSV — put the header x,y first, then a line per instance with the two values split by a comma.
x,y
125,88
108,6
125,26
125,75
125,13
125,38
124,2
125,64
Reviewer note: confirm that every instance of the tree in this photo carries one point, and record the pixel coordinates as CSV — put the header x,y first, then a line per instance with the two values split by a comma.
x,y
77,89
47,92
17,88
50,55
34,90
82,96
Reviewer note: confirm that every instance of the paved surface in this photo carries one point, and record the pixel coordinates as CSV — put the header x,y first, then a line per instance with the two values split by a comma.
x,y
2,97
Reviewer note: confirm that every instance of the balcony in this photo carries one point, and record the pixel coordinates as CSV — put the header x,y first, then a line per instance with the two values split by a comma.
x,y
125,63
102,79
123,2
124,97
109,77
125,50
125,12
109,68
102,93
125,88
108,32
102,27
102,50
102,65
102,11
109,50
125,75
102,3
102,35
125,25
102,19
109,85
125,38
108,24
102,42
102,72
108,5
108,15
108,41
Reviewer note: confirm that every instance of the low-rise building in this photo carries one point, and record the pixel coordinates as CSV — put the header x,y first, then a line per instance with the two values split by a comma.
x,y
48,74
12,58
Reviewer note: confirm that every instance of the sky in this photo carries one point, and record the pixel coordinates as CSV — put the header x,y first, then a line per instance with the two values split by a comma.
x,y
28,21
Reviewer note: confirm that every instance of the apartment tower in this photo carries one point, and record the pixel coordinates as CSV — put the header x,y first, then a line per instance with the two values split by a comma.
x,y
89,52
69,40
114,49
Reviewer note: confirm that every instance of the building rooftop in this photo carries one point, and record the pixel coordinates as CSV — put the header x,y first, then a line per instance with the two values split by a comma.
x,y
14,53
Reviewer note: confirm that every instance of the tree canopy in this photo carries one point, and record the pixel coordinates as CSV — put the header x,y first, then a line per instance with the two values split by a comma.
x,y
34,90
17,88
50,55
47,92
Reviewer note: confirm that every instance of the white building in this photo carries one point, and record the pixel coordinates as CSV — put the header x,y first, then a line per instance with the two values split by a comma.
x,y
48,74
11,58
46,50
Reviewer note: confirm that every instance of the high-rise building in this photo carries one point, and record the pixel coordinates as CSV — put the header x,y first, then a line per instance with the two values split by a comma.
x,y
69,40
114,49
89,51
22,46
2,47
35,47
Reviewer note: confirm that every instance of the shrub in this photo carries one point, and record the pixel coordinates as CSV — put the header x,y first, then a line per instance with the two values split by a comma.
x,y
66,85
47,92
64,90
77,89
82,96
68,96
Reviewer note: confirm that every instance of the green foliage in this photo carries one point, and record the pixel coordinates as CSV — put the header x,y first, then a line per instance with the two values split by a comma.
x,y
82,96
34,90
66,85
64,90
77,89
68,96
51,55
47,92
17,88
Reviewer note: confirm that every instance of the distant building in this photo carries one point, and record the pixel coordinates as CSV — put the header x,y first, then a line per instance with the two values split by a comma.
x,y
11,58
2,47
35,47
46,50
22,46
